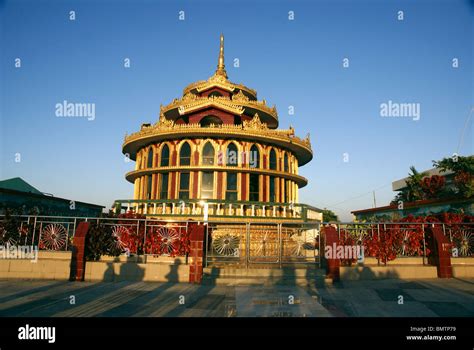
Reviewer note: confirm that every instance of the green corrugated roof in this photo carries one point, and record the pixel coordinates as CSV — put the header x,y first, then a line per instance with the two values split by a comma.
x,y
18,184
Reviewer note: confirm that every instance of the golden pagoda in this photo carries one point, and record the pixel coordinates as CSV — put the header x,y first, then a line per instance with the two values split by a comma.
x,y
216,154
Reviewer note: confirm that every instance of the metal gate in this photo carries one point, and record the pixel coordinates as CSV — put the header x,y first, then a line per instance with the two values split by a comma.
x,y
250,244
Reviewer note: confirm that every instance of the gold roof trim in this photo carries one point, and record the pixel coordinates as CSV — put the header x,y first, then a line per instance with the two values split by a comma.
x,y
190,102
187,105
165,125
219,81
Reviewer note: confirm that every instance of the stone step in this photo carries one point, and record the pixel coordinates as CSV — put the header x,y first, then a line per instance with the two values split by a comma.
x,y
230,281
292,273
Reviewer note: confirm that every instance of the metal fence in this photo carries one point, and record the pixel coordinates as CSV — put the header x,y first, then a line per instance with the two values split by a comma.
x,y
136,236
241,243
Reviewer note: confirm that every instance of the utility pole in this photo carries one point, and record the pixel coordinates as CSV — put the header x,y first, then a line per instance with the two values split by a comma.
x,y
375,202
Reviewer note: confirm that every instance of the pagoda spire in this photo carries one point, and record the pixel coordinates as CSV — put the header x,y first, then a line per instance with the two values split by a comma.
x,y
220,63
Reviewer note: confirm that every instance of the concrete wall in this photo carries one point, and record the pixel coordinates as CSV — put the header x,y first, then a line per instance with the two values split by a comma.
x,y
57,266
389,271
132,271
409,260
50,265
463,267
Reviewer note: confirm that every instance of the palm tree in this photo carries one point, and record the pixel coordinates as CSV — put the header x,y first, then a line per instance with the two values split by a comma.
x,y
413,190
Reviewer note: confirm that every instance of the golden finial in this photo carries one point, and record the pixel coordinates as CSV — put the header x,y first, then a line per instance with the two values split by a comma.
x,y
220,64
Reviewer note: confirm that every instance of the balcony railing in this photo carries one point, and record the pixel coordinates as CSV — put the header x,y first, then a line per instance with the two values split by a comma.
x,y
209,210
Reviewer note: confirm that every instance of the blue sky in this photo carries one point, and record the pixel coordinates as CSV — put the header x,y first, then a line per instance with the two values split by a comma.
x,y
295,63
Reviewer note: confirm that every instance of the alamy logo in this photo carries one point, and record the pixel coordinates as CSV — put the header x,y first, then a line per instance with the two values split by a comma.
x,y
350,252
10,251
73,110
394,109
37,333
230,157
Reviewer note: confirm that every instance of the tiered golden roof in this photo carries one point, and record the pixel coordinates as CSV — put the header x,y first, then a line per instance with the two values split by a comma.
x,y
242,101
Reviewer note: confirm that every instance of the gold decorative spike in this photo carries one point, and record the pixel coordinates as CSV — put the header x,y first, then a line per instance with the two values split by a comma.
x,y
220,64
164,123
255,124
240,97
307,140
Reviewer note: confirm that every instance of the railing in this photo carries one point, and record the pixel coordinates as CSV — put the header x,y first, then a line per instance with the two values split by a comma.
x,y
239,242
390,240
129,235
219,209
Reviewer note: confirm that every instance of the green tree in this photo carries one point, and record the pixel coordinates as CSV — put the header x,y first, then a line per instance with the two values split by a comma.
x,y
329,215
463,169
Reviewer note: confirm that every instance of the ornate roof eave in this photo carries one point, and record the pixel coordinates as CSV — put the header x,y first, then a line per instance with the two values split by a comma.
x,y
192,102
220,82
250,130
209,102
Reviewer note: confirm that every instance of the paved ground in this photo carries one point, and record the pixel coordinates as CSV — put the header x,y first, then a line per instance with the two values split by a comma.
x,y
453,297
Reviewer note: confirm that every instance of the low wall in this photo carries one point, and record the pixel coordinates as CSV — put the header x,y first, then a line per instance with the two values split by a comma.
x,y
390,271
57,266
50,265
463,267
409,260
110,269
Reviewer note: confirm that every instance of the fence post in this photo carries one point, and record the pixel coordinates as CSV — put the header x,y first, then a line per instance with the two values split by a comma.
x,y
78,259
440,248
196,237
424,243
332,264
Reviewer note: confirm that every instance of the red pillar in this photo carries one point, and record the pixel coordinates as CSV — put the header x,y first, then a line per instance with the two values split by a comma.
x,y
332,265
78,259
196,238
441,251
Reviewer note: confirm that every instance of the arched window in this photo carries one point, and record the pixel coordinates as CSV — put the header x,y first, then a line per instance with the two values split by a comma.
x,y
148,186
165,156
207,185
210,119
254,188
150,158
286,163
184,186
208,154
272,189
232,156
231,188
142,159
185,154
164,186
273,160
254,158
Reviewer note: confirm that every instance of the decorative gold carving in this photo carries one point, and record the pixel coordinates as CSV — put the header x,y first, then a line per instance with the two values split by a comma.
x,y
240,97
254,126
163,123
255,123
307,140
189,97
190,102
202,102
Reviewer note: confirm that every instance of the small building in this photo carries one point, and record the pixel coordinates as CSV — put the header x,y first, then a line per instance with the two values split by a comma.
x,y
22,198
425,207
